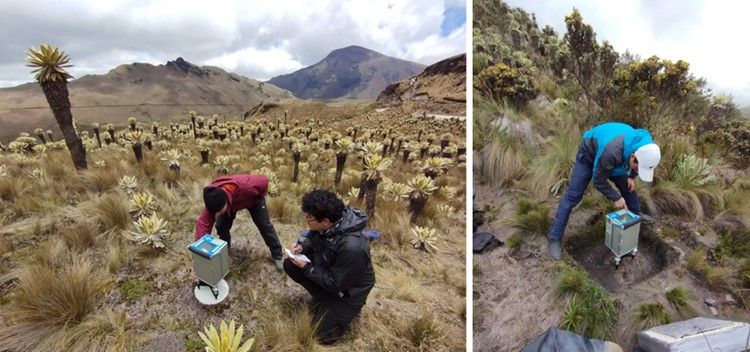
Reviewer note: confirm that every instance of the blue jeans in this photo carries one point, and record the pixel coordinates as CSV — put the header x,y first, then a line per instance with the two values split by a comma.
x,y
579,180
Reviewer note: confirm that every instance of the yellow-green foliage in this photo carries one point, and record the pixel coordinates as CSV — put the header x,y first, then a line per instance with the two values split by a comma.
x,y
424,238
226,340
501,82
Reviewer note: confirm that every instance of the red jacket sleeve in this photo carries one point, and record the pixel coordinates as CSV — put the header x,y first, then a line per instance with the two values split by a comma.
x,y
204,225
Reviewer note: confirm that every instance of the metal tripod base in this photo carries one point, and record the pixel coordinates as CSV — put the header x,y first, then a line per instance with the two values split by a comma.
x,y
210,295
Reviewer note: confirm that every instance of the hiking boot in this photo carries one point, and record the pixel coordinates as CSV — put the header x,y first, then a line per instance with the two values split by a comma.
x,y
279,264
555,249
646,219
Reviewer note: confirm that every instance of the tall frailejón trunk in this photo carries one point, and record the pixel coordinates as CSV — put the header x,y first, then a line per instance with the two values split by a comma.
x,y
340,161
416,205
371,193
56,93
297,157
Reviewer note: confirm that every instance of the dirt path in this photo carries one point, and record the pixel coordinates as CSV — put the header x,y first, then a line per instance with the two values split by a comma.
x,y
513,295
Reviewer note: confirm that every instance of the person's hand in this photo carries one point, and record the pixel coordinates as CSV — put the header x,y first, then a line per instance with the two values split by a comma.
x,y
297,248
620,203
192,275
298,263
631,184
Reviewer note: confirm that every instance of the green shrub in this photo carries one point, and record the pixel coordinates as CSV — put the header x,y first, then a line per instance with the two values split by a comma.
x,y
503,83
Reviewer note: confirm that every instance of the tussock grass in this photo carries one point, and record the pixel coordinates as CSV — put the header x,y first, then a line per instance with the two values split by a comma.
x,y
670,198
107,331
115,257
500,163
590,310
282,333
745,273
648,315
715,277
102,179
407,288
80,236
423,332
283,210
110,211
394,231
11,188
35,315
572,282
530,217
551,169
682,302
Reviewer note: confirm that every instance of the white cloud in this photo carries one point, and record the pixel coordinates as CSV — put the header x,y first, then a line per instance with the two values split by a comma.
x,y
258,39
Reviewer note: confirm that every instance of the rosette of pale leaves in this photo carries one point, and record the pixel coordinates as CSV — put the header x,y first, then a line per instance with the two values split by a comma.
x,y
447,192
344,146
371,148
203,145
3,170
445,209
49,62
436,165
40,149
134,137
171,158
424,238
395,191
37,174
420,185
128,183
375,164
692,171
221,163
353,192
100,163
142,204
150,230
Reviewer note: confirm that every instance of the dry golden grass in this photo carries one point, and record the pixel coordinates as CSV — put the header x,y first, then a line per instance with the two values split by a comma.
x,y
500,164
85,213
47,300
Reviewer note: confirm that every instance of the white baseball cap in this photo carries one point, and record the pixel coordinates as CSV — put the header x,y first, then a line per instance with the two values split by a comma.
x,y
648,157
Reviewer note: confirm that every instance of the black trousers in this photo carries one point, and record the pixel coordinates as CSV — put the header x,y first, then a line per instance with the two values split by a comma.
x,y
334,313
259,214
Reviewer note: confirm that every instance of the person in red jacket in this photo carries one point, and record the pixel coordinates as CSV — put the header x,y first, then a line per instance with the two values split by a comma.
x,y
226,196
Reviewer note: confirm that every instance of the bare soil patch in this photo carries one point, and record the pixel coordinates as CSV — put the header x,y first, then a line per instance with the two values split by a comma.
x,y
514,295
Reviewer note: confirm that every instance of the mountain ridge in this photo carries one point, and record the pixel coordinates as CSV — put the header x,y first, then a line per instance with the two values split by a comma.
x,y
145,91
352,72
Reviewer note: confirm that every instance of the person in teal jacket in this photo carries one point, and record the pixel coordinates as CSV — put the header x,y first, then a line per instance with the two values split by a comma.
x,y
612,151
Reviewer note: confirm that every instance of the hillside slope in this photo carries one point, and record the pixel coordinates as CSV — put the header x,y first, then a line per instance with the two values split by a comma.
x,y
145,91
440,89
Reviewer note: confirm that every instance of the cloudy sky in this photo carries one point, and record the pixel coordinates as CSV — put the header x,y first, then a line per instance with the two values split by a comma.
x,y
711,35
257,39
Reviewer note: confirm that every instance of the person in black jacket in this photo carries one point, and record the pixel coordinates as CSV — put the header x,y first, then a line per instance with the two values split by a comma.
x,y
339,275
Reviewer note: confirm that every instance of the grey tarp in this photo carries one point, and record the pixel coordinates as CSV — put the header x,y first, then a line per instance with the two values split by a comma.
x,y
555,339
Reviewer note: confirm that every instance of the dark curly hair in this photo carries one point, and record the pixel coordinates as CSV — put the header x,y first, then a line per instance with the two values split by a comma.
x,y
323,204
